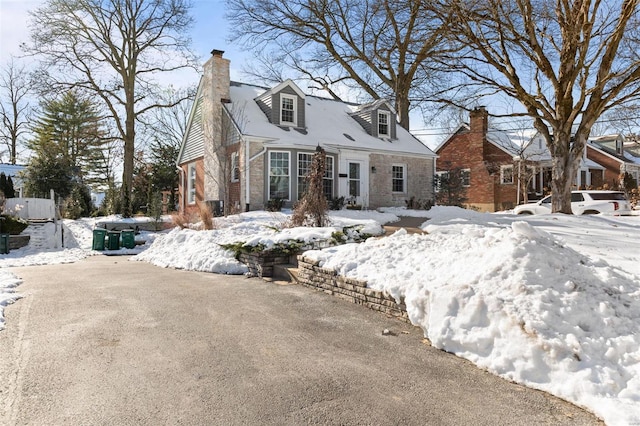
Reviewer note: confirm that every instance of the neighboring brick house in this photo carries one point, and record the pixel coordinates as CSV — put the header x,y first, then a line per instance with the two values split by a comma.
x,y
246,145
609,151
486,157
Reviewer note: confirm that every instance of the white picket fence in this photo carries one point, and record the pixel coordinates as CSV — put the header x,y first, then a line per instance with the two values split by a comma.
x,y
31,208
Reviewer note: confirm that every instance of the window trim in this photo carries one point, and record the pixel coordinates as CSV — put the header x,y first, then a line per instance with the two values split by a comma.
x,y
466,172
294,110
269,175
404,178
502,171
235,167
192,177
328,177
387,115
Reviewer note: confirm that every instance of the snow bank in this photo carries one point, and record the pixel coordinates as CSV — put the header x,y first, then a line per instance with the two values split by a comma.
x,y
514,300
8,283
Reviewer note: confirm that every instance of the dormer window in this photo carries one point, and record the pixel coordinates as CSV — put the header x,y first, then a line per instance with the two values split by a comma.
x,y
288,110
383,123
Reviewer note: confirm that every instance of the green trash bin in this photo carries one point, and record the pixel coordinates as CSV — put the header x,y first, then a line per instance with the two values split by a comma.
x,y
128,238
98,238
4,243
113,240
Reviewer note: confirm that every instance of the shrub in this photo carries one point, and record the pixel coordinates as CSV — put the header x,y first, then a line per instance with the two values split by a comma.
x,y
336,203
12,225
413,204
275,204
206,215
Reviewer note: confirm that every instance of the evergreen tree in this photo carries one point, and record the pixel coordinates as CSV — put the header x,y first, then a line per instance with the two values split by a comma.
x,y
3,184
68,133
164,175
9,191
451,189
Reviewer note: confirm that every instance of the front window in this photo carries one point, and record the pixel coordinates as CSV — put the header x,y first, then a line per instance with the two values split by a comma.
x,y
398,178
304,167
466,177
440,177
506,175
383,124
288,110
235,167
279,175
191,184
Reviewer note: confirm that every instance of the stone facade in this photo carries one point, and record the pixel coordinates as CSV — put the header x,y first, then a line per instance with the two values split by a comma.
x,y
310,274
419,184
257,177
261,264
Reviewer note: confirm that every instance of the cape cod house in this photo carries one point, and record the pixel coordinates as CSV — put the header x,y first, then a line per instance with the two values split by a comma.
x,y
246,145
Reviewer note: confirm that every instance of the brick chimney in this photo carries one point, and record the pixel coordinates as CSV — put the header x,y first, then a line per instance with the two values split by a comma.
x,y
478,124
215,91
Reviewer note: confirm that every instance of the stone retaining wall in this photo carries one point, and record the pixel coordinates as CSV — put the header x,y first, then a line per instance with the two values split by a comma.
x,y
261,264
312,275
18,241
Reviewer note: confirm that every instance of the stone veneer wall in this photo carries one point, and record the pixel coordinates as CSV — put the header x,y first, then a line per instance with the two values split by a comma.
x,y
18,241
261,264
312,275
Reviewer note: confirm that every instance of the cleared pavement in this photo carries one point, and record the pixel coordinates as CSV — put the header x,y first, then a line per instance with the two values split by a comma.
x,y
108,341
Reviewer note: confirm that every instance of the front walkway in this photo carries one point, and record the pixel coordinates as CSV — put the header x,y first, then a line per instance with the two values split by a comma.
x,y
411,224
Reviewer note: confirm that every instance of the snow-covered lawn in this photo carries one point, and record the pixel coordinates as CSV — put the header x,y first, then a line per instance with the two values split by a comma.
x,y
550,301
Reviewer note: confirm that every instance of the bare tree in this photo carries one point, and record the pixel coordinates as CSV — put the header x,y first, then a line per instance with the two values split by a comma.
x,y
381,47
115,50
14,106
565,62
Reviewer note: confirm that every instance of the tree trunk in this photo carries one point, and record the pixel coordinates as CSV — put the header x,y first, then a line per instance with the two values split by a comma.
x,y
565,165
403,103
129,153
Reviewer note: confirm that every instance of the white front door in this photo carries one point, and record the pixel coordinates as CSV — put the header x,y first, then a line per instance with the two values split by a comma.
x,y
355,181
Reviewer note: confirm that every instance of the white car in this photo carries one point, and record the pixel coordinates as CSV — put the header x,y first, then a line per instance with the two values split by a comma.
x,y
583,202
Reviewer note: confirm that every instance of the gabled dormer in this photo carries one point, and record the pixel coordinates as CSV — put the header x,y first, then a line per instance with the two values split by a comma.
x,y
284,105
378,119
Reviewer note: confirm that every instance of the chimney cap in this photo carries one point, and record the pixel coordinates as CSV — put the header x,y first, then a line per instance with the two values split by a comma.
x,y
216,52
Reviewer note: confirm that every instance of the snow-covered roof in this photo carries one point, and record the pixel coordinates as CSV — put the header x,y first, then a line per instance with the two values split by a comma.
x,y
11,169
328,124
503,140
508,142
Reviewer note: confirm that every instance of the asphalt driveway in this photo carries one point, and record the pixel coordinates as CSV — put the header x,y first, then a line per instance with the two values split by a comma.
x,y
107,341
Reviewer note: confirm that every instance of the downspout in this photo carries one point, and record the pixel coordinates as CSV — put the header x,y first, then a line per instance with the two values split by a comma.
x,y
247,170
433,181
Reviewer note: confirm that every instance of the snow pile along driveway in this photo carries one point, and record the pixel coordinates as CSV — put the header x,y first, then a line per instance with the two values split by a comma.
x,y
516,301
8,283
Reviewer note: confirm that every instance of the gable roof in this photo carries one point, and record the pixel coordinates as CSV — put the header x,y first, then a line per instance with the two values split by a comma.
x,y
192,145
287,83
328,124
501,139
624,158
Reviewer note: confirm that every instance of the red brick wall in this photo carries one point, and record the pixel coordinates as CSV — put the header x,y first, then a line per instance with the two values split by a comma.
x,y
185,207
612,167
470,150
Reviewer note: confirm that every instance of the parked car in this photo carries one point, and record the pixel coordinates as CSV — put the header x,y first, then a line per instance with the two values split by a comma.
x,y
583,202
